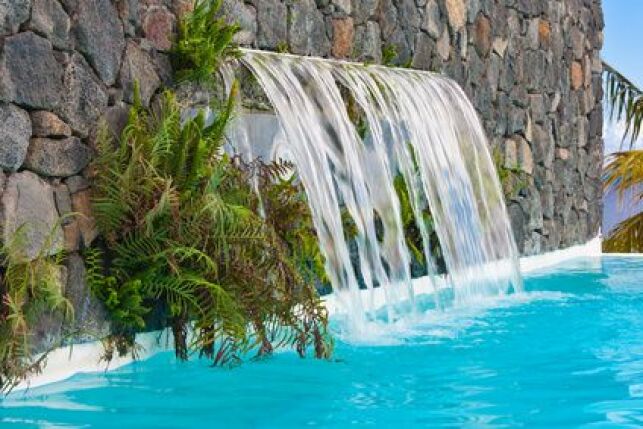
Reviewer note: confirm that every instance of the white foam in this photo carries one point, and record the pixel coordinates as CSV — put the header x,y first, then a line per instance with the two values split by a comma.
x,y
65,362
82,358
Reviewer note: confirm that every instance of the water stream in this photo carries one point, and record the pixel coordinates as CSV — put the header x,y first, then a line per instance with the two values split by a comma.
x,y
418,124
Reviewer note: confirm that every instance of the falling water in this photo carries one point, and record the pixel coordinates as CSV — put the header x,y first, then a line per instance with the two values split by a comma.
x,y
420,125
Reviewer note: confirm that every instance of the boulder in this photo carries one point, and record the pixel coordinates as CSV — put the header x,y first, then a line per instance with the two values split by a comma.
x,y
47,124
307,33
343,37
368,43
432,23
245,15
577,76
115,119
138,68
76,183
342,7
387,18
128,12
15,131
444,45
12,14
49,19
363,10
63,202
456,13
28,204
84,98
57,158
29,73
482,35
90,317
81,203
408,15
423,52
159,27
99,36
271,16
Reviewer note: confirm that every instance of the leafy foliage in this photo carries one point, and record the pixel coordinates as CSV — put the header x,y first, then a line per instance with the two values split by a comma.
x,y
182,226
411,230
28,288
389,54
624,172
625,101
205,40
513,180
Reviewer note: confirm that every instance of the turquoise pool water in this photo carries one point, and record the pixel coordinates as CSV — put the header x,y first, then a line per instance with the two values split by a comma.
x,y
568,353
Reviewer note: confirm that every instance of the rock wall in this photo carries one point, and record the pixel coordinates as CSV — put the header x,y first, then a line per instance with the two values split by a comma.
x,y
531,67
65,65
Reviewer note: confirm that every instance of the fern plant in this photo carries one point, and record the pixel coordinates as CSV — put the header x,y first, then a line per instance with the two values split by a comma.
x,y
28,288
205,40
182,227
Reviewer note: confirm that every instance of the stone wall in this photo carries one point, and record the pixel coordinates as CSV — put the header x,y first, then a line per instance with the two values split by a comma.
x,y
531,67
65,65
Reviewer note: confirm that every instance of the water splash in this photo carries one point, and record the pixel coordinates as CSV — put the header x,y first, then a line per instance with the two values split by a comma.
x,y
420,125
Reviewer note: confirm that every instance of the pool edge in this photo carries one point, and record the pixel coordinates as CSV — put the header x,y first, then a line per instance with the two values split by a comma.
x,y
66,362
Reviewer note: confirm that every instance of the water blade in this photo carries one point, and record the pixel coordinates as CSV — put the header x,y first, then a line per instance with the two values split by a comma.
x,y
420,125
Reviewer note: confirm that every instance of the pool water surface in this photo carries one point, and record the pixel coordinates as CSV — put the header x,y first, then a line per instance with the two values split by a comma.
x,y
567,353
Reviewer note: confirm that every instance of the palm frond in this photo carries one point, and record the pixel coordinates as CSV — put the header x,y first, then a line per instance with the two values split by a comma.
x,y
627,237
624,171
625,101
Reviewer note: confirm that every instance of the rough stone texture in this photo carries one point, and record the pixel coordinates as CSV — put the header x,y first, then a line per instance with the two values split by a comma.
x,y
47,124
81,204
84,97
99,36
245,15
343,35
29,73
12,14
307,29
456,13
482,35
57,158
531,68
15,130
90,316
158,27
115,117
28,200
49,19
272,16
76,183
90,321
138,67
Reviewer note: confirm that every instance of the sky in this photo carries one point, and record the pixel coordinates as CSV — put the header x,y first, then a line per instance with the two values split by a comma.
x,y
623,50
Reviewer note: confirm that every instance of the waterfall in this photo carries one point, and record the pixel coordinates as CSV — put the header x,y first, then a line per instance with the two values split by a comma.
x,y
418,124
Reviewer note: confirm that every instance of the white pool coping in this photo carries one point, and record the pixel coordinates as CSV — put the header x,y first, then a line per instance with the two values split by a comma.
x,y
65,362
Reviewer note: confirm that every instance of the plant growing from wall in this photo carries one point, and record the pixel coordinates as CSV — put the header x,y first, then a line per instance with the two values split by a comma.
x,y
29,287
181,227
204,43
512,179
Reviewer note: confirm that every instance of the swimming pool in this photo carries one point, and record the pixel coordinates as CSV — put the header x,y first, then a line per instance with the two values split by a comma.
x,y
567,353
